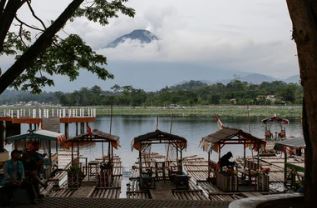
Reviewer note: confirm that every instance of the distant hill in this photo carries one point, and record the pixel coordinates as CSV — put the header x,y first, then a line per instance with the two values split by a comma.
x,y
292,79
189,85
144,36
256,78
253,78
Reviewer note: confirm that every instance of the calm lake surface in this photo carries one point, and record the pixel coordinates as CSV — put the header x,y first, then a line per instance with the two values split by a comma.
x,y
192,128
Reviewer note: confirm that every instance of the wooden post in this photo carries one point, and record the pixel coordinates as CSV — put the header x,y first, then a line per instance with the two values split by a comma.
x,y
102,151
244,155
176,156
258,158
78,151
72,153
285,168
66,131
77,132
209,163
219,153
49,152
109,150
181,160
2,134
140,163
111,153
82,128
56,146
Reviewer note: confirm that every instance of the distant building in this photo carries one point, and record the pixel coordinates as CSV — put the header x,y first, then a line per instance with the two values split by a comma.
x,y
271,98
233,101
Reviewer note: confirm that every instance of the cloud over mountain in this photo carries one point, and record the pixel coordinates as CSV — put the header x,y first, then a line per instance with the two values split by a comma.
x,y
141,36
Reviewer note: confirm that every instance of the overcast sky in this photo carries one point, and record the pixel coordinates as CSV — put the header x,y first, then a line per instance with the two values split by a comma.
x,y
242,35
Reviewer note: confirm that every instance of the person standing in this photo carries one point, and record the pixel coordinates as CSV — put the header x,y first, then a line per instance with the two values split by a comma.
x,y
33,163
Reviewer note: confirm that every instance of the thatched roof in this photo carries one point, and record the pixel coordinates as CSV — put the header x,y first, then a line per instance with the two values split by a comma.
x,y
96,136
275,119
226,136
40,134
159,137
294,143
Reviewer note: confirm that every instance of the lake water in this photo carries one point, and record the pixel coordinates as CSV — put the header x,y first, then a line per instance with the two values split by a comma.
x,y
192,128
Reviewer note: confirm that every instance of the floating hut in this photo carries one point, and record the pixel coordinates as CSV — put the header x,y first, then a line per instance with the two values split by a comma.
x,y
268,122
46,140
144,142
99,178
294,169
229,180
159,176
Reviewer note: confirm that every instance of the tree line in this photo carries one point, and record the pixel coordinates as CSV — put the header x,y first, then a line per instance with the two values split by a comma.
x,y
188,94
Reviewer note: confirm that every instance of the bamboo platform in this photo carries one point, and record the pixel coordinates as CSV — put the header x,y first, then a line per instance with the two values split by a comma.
x,y
197,169
134,192
164,188
124,203
88,187
106,193
200,189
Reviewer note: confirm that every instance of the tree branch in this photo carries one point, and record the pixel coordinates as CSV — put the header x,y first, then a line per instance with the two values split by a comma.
x,y
2,5
34,15
21,35
7,18
30,26
39,46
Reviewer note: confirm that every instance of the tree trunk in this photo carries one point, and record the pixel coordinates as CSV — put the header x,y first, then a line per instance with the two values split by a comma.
x,y
7,17
39,46
303,14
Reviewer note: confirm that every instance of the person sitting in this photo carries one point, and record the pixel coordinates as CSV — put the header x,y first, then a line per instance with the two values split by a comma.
x,y
14,177
225,161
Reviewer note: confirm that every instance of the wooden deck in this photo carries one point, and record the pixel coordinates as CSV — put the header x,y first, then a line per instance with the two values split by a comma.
x,y
88,187
124,203
201,189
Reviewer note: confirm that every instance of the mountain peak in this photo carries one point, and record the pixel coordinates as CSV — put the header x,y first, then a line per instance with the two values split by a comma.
x,y
141,35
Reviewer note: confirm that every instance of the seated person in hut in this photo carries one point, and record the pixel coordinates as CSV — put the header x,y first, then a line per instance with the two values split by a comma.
x,y
225,161
14,177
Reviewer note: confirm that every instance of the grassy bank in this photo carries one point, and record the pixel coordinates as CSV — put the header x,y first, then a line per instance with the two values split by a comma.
x,y
222,110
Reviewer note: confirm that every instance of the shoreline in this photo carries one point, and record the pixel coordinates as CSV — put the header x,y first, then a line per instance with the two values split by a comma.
x,y
224,111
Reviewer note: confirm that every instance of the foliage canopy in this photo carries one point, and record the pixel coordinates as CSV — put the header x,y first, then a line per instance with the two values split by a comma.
x,y
41,52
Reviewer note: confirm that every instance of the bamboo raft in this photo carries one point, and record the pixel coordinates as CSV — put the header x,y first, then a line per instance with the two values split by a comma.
x,y
199,188
88,188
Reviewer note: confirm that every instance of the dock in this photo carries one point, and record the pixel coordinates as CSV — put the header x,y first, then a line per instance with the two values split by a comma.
x,y
124,203
199,187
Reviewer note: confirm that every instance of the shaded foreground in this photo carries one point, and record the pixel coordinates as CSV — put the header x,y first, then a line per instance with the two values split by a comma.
x,y
124,203
297,202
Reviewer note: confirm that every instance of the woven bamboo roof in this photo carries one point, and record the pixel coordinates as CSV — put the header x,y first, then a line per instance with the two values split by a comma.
x,y
159,137
295,143
97,136
40,134
275,119
227,136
